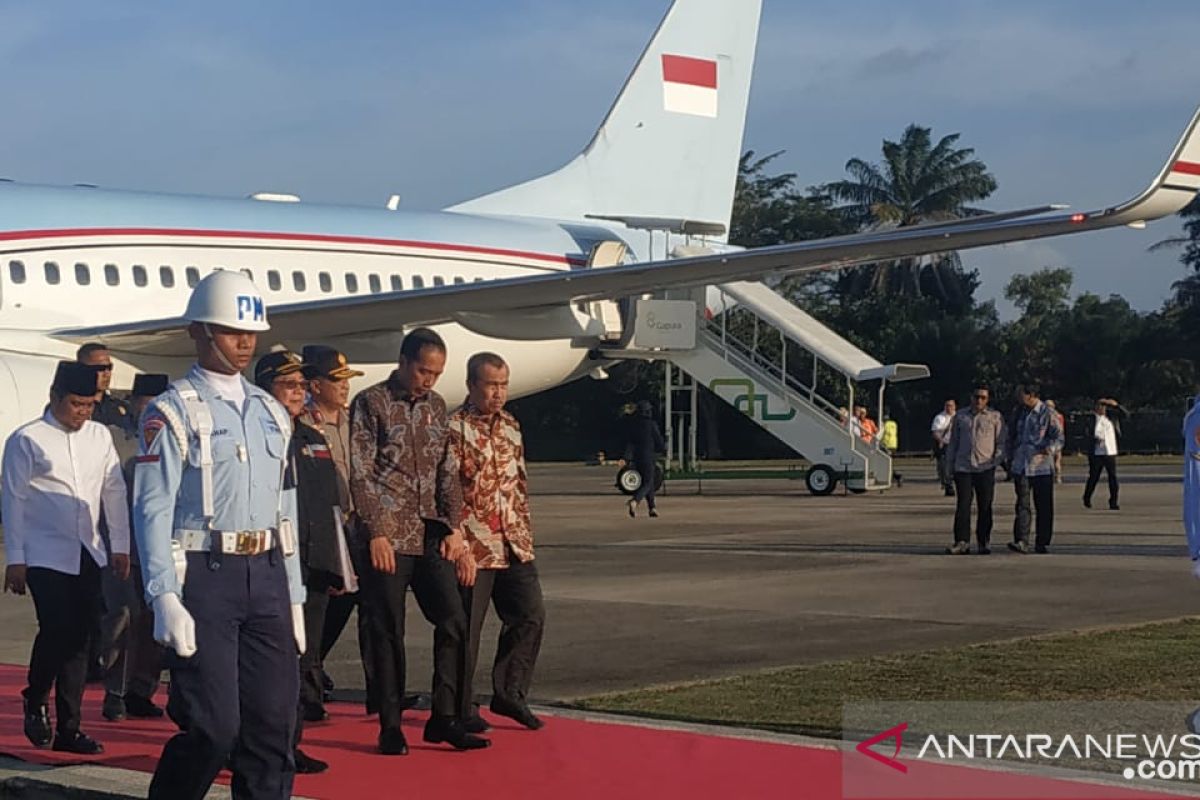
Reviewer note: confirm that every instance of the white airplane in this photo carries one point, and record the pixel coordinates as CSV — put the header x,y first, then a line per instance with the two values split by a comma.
x,y
537,272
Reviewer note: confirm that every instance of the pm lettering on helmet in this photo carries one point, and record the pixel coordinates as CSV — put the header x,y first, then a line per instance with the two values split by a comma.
x,y
250,307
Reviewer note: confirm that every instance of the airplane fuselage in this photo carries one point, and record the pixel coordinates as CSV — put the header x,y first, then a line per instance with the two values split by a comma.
x,y
78,256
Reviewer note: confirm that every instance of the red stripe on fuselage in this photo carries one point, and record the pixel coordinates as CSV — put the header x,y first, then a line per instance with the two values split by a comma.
x,y
692,71
62,233
1186,167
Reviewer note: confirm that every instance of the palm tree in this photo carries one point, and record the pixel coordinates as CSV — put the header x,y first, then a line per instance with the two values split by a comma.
x,y
1187,290
917,182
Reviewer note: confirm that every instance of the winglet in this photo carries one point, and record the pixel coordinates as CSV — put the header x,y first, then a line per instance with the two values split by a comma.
x,y
1175,186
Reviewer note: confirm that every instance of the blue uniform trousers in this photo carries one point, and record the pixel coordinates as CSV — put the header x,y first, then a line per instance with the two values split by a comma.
x,y
235,699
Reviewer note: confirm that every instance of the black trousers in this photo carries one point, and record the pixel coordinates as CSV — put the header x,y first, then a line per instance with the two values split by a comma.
x,y
435,586
1039,489
982,485
316,604
945,469
66,607
646,490
516,593
336,616
132,659
1108,464
235,699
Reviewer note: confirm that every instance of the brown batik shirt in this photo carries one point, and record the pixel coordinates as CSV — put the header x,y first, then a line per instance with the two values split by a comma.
x,y
402,468
495,491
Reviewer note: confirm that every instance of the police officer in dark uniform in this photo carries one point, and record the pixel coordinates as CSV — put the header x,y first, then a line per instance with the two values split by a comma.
x,y
132,660
109,410
315,477
114,414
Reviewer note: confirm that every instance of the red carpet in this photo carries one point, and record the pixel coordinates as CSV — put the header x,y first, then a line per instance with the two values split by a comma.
x,y
568,759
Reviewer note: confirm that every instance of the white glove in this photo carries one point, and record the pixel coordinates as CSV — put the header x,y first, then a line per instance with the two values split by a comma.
x,y
298,626
1196,568
173,625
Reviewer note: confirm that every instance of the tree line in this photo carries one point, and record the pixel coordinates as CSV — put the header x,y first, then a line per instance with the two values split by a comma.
x,y
923,310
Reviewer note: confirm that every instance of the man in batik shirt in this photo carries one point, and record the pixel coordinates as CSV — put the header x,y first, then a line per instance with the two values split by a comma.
x,y
404,479
498,565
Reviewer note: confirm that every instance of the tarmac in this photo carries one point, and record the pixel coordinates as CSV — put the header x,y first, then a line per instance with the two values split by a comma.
x,y
737,576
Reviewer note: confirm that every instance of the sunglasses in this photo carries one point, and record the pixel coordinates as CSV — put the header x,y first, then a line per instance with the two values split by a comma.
x,y
981,397
103,367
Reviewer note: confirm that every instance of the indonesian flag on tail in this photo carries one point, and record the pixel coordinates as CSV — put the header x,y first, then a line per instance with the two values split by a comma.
x,y
690,85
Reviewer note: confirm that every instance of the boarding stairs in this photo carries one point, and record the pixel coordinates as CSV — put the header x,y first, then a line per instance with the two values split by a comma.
x,y
776,364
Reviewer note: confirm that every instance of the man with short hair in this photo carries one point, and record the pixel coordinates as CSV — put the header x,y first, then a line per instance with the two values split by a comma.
x,y
59,472
404,477
133,660
498,566
1100,442
1037,440
115,415
109,410
976,447
940,430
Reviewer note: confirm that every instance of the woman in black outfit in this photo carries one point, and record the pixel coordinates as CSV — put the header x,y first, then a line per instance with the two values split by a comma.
x,y
645,441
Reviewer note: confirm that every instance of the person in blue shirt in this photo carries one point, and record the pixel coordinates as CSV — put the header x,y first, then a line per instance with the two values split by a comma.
x,y
1191,505
214,523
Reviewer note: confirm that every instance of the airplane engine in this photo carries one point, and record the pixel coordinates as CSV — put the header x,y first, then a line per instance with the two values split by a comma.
x,y
24,388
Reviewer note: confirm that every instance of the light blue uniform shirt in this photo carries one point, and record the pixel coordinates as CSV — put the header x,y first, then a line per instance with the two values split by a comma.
x,y
1191,479
248,451
1038,432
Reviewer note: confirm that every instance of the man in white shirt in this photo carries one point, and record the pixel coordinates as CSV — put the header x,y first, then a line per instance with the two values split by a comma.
x,y
1104,432
941,430
58,472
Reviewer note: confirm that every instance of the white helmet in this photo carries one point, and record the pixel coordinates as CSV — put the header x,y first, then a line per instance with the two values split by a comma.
x,y
230,299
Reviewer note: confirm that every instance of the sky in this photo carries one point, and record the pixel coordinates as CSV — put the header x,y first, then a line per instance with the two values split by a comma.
x,y
1072,102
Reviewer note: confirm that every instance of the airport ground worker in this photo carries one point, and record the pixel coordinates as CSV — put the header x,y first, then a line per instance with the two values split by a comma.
x,y
214,523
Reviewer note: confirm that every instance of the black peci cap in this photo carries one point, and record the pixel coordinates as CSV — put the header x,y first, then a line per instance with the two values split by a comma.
x,y
151,384
71,377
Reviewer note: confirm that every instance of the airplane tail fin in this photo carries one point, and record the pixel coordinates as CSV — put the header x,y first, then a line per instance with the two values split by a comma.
x,y
670,145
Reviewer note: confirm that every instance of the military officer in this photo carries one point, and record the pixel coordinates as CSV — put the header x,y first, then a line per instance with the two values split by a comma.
x,y
132,659
109,410
215,530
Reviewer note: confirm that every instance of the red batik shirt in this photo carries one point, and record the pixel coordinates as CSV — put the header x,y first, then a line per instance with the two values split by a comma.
x,y
495,488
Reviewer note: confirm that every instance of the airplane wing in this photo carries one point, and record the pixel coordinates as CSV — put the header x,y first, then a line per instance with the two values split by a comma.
x,y
1174,187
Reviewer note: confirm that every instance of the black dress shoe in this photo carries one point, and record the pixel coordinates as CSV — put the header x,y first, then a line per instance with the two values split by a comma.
x,y
77,742
113,709
141,707
452,732
476,724
37,724
516,711
410,701
393,743
315,713
1041,549
307,765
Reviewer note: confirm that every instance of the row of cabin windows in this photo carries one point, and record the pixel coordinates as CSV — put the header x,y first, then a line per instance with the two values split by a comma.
x,y
166,278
